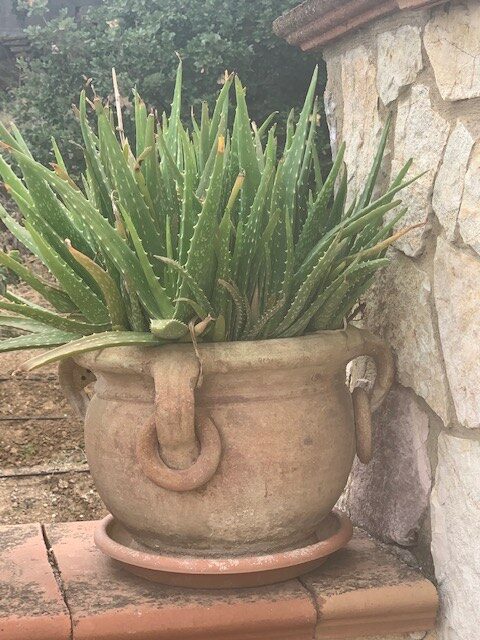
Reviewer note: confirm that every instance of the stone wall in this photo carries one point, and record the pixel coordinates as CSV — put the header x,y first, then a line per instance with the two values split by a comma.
x,y
424,482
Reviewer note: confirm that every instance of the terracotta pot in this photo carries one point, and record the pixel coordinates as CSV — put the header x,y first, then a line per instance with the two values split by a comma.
x,y
249,458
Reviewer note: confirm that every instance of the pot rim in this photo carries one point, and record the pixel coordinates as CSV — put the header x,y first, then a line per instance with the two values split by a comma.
x,y
331,348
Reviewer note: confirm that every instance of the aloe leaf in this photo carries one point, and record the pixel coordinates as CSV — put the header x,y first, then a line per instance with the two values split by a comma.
x,y
48,338
246,246
22,145
207,170
53,319
372,176
290,129
127,190
154,181
259,325
168,329
23,324
201,254
140,124
312,282
221,108
13,181
167,157
108,287
86,300
192,284
6,137
317,170
92,343
204,133
298,147
312,228
162,301
93,162
360,222
197,308
223,246
47,213
58,154
118,251
56,297
321,319
190,205
338,212
277,241
240,306
243,139
266,124
355,290
174,120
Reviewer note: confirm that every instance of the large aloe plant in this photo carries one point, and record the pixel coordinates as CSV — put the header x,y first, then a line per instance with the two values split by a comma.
x,y
214,232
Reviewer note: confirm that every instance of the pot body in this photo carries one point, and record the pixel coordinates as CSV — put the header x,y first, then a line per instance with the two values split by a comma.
x,y
286,430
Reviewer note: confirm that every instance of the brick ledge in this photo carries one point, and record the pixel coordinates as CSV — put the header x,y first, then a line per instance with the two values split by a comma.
x,y
315,23
363,590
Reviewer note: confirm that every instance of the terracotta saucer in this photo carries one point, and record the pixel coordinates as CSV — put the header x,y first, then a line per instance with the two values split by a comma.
x,y
219,573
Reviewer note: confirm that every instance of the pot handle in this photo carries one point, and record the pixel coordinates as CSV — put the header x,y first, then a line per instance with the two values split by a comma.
x,y
73,379
364,404
167,448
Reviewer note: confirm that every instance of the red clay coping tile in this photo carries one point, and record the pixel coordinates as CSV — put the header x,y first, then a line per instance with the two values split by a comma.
x,y
315,23
362,590
31,605
107,603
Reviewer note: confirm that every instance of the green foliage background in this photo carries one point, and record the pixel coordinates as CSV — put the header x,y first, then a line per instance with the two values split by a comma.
x,y
140,38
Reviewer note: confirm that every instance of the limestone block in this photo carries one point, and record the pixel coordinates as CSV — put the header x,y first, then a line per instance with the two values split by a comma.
x,y
448,189
400,307
399,59
332,100
469,216
389,496
361,121
452,41
457,295
420,133
455,540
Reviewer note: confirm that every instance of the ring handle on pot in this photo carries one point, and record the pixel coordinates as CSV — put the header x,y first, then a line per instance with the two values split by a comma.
x,y
363,405
73,379
167,447
196,475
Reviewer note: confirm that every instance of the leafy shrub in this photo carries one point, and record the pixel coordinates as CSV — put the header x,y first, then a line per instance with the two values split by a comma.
x,y
218,233
140,38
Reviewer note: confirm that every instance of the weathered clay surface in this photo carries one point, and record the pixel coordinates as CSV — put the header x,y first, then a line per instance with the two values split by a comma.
x,y
107,602
420,133
287,442
399,59
361,122
389,496
31,605
400,306
364,590
365,578
457,277
455,539
469,216
449,184
452,41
